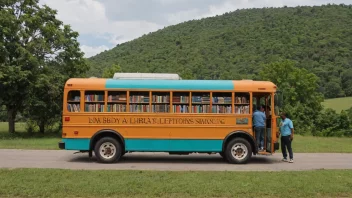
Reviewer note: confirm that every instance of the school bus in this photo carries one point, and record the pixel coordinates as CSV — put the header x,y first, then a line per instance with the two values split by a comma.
x,y
112,117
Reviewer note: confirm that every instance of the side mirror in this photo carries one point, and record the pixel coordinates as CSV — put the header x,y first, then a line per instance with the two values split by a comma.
x,y
278,99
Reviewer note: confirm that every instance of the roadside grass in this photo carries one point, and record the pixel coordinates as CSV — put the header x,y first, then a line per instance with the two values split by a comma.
x,y
338,104
108,183
300,144
24,140
311,144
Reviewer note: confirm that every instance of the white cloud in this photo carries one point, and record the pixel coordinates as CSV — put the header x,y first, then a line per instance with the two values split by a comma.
x,y
92,51
89,17
182,16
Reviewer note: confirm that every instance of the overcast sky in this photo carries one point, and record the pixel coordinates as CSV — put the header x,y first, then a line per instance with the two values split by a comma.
x,y
104,23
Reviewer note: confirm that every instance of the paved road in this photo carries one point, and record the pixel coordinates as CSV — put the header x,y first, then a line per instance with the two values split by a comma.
x,y
160,161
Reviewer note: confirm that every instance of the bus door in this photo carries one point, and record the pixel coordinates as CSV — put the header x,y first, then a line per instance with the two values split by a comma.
x,y
264,99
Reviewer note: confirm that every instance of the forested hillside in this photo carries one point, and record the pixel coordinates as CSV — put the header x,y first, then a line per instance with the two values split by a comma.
x,y
236,45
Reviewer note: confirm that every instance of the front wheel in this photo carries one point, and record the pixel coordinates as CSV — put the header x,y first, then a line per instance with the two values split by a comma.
x,y
108,150
238,151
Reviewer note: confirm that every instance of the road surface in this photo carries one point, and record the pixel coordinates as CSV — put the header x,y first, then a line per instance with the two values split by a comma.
x,y
160,161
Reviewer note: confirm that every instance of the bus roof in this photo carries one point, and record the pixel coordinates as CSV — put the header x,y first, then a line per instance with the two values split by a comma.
x,y
187,85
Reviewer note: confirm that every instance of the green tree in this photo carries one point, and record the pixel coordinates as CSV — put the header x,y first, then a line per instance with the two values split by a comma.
x,y
347,81
30,38
109,72
300,87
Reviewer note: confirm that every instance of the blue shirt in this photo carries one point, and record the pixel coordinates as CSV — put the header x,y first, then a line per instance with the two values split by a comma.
x,y
286,126
259,119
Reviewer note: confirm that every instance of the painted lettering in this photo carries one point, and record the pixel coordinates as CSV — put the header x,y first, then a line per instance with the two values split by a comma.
x,y
156,121
94,120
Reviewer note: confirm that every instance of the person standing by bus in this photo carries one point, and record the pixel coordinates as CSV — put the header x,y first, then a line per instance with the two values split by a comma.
x,y
286,130
259,119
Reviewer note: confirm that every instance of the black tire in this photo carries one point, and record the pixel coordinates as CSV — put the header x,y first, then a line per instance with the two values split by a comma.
x,y
246,146
108,140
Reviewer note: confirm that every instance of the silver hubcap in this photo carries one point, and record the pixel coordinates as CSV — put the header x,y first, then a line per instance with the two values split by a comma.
x,y
239,151
107,150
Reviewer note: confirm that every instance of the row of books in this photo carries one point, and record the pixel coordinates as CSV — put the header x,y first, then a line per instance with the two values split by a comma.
x,y
94,108
139,99
242,109
94,97
200,108
160,99
116,108
159,108
165,98
73,108
222,100
180,99
221,109
117,98
201,99
241,100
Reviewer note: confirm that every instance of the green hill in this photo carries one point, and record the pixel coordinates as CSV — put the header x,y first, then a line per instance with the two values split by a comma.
x,y
338,104
236,44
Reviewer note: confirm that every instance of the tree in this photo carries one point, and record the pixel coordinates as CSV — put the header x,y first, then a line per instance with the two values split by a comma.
x,y
30,38
109,72
301,97
347,81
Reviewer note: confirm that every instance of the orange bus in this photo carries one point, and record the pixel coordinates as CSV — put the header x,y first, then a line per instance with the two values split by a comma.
x,y
110,117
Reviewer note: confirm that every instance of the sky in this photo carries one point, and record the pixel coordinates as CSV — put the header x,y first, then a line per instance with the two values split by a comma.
x,y
102,24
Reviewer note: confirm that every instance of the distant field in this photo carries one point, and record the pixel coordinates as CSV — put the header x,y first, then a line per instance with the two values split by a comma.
x,y
301,144
109,183
338,104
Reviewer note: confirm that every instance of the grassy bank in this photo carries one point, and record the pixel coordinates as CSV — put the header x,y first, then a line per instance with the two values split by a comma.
x,y
301,144
69,183
338,104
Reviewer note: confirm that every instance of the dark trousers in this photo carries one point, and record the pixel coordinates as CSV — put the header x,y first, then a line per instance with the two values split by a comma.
x,y
286,142
259,136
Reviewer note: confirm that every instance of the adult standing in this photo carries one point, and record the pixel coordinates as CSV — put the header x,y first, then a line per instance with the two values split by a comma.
x,y
259,126
287,131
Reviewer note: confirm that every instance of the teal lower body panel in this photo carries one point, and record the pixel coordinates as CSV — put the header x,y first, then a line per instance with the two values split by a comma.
x,y
181,145
154,145
76,143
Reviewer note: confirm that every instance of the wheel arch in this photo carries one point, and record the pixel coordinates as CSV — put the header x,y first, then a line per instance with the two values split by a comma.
x,y
242,134
106,133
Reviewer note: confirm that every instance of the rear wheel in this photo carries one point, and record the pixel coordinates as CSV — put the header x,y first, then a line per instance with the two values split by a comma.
x,y
108,150
238,151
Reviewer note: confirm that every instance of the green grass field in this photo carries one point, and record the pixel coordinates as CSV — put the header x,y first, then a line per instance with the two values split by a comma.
x,y
301,144
107,183
338,104
24,140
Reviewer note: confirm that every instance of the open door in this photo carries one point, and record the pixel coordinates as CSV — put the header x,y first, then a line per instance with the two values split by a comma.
x,y
264,99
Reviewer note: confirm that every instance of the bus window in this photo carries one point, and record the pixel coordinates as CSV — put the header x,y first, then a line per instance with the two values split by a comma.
x,y
117,101
200,102
160,102
139,101
94,101
242,101
74,101
221,102
180,102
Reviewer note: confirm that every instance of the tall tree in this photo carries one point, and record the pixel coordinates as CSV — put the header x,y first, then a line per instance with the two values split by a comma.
x,y
301,96
109,72
30,38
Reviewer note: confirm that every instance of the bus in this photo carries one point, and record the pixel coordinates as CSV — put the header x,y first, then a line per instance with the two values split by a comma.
x,y
111,117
